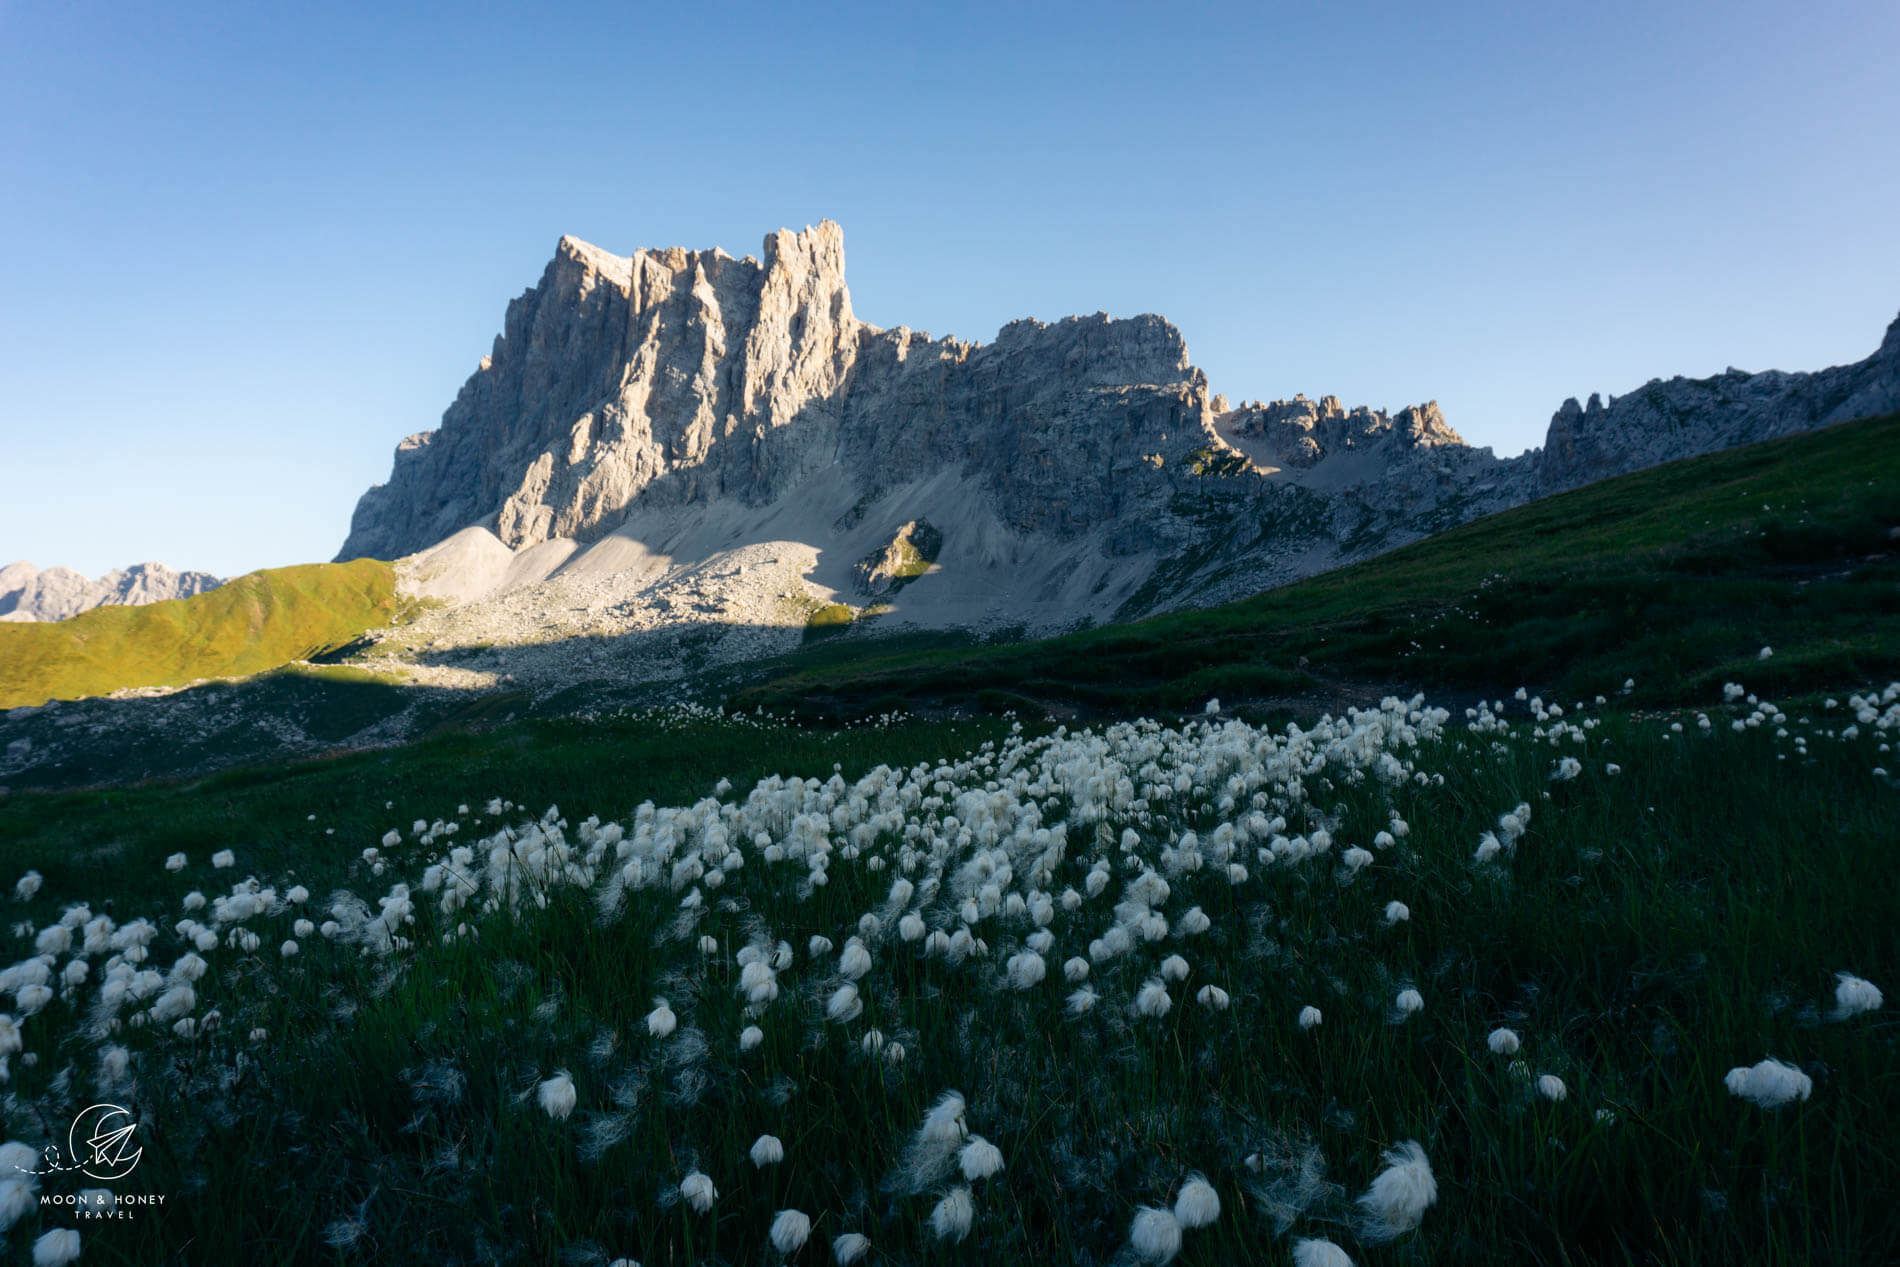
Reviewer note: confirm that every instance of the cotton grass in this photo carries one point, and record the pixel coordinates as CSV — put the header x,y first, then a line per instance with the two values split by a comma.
x,y
790,1230
1399,1196
1155,1235
1769,1083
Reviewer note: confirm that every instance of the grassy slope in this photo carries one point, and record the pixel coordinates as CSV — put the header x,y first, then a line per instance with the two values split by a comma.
x,y
254,623
1676,576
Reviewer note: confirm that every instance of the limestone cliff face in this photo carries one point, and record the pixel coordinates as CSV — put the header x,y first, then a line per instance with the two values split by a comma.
x,y
682,376
1679,417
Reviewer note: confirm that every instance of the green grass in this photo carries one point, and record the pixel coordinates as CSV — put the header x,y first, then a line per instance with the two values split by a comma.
x,y
1652,930
1675,576
254,623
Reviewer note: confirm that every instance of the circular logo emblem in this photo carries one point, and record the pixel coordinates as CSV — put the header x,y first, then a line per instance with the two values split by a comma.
x,y
102,1142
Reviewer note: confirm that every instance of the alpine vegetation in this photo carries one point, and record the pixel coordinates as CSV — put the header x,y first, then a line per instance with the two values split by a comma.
x,y
1399,1196
1769,1083
822,1005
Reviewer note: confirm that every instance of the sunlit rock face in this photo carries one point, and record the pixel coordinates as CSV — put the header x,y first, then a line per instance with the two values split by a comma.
x,y
690,403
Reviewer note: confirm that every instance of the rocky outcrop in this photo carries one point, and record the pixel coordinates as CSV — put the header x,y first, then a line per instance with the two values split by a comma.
x,y
27,593
913,548
1300,433
1679,417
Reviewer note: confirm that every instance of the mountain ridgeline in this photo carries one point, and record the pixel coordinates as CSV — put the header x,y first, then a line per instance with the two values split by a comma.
x,y
640,395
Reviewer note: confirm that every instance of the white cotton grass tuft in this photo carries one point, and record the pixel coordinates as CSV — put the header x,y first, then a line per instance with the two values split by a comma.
x,y
557,1095
1769,1083
1212,997
1155,1235
1076,970
931,1153
749,1037
223,858
855,961
1409,1004
1152,999
1174,968
662,1020
1310,1017
767,1150
1854,995
1399,1196
844,1004
697,1188
953,1215
1502,1041
1552,1088
1319,1253
1197,1204
1397,912
1026,969
56,1248
849,1248
979,1159
790,1230
175,863
1081,1000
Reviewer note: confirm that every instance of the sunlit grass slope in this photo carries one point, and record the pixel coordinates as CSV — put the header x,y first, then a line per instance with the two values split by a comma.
x,y
256,622
1676,576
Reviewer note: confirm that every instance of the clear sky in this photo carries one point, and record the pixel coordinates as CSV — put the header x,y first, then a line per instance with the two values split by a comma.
x,y
245,248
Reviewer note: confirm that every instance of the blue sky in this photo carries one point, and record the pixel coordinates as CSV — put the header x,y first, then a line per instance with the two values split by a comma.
x,y
247,248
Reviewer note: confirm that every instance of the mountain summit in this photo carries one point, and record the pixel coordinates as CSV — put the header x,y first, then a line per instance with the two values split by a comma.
x,y
728,428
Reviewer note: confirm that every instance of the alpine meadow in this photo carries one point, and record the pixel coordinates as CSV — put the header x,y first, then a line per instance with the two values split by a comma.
x,y
755,783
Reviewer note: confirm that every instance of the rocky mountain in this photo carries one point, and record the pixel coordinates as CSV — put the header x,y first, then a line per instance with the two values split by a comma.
x,y
683,438
1672,418
27,593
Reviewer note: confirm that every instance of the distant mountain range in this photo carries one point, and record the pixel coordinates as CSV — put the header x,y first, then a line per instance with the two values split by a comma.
x,y
28,593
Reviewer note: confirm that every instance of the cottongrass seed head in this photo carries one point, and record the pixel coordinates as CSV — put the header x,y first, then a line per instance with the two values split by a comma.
x,y
1197,1204
1503,1042
1552,1088
767,1150
952,1217
697,1188
1319,1253
980,1159
1399,1196
849,1248
557,1095
661,1021
1409,1003
1310,1017
1155,1235
1853,995
1769,1083
790,1230
56,1248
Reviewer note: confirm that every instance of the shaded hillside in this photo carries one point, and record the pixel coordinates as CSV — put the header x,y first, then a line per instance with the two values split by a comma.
x,y
1675,576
